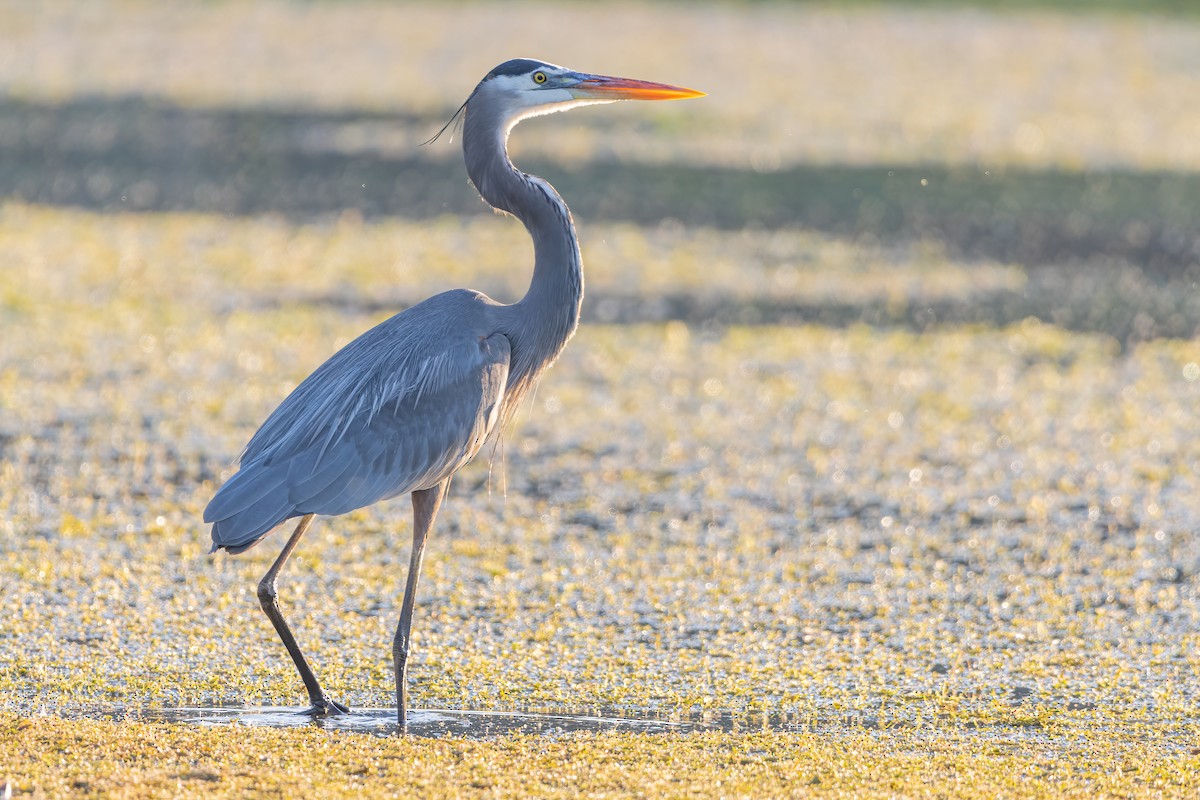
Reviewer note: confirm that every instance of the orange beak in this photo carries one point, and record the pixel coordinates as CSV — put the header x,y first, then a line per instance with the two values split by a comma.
x,y
600,87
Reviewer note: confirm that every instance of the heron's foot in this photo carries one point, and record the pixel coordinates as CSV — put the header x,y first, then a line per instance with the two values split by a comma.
x,y
320,709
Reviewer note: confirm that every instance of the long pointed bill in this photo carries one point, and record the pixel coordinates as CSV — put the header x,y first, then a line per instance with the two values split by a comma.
x,y
599,87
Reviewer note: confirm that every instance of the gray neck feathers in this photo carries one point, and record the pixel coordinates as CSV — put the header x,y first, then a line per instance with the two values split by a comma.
x,y
547,316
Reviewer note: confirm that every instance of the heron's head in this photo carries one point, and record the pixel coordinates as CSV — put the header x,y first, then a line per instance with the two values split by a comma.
x,y
525,87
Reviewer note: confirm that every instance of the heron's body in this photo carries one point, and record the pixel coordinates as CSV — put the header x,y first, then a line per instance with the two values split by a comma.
x,y
410,402
402,407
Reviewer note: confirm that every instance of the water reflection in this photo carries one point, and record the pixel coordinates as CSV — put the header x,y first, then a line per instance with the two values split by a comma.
x,y
433,723
914,733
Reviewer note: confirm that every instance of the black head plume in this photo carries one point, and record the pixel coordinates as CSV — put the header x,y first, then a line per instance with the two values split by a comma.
x,y
455,120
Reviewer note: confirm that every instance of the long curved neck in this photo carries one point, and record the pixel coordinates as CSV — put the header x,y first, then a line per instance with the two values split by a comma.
x,y
549,313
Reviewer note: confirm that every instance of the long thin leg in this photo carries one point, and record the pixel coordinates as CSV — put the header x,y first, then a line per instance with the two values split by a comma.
x,y
322,706
425,507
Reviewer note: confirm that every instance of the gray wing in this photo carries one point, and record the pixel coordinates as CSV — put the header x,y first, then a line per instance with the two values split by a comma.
x,y
352,435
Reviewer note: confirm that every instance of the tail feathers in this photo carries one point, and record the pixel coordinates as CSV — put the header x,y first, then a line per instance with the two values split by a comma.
x,y
248,486
235,535
248,507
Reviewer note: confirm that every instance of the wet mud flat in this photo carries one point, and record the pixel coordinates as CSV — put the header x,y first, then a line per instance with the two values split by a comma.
x,y
98,757
868,473
970,536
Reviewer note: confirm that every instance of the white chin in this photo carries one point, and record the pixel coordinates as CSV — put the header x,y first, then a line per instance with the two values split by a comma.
x,y
554,101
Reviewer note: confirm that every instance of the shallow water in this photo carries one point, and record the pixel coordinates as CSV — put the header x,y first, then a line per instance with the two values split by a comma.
x,y
478,724
433,723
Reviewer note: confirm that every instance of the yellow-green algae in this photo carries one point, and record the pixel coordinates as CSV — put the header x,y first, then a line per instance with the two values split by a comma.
x,y
54,757
858,526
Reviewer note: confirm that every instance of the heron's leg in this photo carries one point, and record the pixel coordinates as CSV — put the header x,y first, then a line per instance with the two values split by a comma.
x,y
322,706
425,507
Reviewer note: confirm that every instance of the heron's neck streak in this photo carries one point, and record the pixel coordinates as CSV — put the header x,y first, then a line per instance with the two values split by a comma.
x,y
542,321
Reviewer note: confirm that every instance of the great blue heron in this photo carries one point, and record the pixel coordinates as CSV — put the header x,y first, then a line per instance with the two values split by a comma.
x,y
410,402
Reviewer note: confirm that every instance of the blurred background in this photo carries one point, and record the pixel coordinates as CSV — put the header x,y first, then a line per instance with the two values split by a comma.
x,y
1041,155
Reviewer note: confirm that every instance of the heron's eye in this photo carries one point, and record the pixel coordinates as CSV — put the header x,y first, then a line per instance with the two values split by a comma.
x,y
539,77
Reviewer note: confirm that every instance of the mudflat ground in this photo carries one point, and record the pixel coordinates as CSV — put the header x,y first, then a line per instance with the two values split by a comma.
x,y
872,459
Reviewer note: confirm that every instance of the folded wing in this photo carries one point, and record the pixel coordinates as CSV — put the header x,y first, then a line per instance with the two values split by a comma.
x,y
375,421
